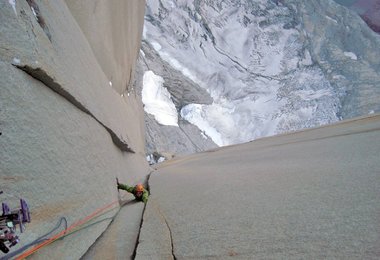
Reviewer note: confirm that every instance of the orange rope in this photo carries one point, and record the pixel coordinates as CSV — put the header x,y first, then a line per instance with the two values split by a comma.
x,y
55,237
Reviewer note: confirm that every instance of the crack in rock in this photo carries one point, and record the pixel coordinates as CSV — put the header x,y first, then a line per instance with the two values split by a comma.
x,y
154,244
41,75
170,233
40,19
166,222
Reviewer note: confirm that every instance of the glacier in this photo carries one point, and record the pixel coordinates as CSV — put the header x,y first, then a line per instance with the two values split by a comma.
x,y
270,66
157,100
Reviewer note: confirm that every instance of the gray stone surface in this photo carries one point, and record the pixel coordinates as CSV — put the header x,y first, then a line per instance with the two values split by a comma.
x,y
170,141
154,221
313,194
65,132
120,238
114,36
66,64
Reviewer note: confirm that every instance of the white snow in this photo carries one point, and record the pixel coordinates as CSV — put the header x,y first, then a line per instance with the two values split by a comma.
x,y
13,4
351,55
229,122
204,136
144,32
339,77
311,95
243,67
156,46
175,63
195,114
307,60
34,12
331,19
16,61
161,159
150,158
110,83
157,100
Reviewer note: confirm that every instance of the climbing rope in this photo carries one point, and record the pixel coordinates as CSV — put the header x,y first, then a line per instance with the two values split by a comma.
x,y
36,241
68,231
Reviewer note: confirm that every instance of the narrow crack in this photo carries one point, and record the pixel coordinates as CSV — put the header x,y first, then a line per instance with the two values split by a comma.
x,y
40,19
138,235
142,219
41,75
170,234
166,222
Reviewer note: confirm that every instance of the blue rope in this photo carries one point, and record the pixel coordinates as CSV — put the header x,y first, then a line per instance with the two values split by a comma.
x,y
37,241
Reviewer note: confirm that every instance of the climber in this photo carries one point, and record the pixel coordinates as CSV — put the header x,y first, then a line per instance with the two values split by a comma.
x,y
140,193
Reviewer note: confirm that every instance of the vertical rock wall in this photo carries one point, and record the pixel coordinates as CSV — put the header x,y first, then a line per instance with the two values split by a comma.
x,y
114,36
66,133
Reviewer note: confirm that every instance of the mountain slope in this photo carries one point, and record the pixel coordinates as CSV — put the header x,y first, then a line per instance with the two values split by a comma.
x,y
270,66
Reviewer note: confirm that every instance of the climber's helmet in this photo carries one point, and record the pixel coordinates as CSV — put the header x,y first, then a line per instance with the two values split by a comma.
x,y
139,189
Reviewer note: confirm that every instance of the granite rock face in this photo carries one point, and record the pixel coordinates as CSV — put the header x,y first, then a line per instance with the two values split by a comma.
x,y
66,133
313,194
112,33
367,9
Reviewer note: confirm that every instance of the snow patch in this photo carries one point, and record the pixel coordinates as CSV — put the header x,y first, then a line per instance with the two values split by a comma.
x,y
34,12
331,19
156,46
157,100
311,95
307,61
175,63
144,32
196,114
351,55
339,77
204,136
16,61
152,160
13,4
